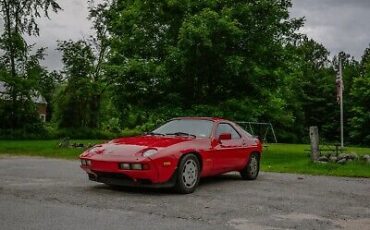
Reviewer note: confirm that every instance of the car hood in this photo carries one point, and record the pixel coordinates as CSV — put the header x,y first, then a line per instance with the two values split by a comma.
x,y
133,146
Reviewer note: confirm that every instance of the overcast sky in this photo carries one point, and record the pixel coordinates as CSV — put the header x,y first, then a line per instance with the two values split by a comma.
x,y
71,23
340,25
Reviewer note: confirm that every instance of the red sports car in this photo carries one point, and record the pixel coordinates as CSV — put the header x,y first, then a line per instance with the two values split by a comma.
x,y
177,154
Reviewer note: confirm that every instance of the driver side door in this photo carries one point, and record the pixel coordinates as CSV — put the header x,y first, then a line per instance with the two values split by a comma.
x,y
226,153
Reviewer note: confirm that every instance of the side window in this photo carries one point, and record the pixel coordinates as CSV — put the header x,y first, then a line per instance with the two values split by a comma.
x,y
226,128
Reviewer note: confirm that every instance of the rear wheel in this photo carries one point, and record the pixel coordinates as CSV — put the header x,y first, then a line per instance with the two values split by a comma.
x,y
188,174
251,170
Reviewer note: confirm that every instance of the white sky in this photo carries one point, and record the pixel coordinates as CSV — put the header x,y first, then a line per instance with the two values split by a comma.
x,y
340,25
71,23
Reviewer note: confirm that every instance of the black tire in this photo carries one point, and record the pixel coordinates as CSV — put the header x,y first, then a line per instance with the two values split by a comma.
x,y
251,170
188,171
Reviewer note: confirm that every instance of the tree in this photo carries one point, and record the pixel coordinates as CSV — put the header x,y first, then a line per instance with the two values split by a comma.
x,y
76,99
185,54
22,111
309,90
78,103
360,93
19,18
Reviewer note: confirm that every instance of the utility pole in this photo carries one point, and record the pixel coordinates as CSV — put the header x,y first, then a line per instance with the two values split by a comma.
x,y
341,102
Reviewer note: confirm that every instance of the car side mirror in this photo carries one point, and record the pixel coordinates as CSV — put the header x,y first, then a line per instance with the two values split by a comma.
x,y
224,136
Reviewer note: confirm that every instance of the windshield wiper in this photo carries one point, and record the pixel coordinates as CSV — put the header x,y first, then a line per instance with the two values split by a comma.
x,y
181,134
153,134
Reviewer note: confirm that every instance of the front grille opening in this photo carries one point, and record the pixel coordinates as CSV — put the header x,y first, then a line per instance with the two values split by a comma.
x,y
145,181
112,176
117,179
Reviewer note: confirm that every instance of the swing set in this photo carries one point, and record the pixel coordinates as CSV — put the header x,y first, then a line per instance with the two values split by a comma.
x,y
265,131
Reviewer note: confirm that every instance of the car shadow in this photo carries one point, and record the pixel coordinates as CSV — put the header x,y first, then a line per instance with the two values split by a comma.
x,y
224,178
204,182
136,190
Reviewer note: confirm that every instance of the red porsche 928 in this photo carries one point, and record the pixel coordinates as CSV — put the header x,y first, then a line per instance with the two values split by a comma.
x,y
177,154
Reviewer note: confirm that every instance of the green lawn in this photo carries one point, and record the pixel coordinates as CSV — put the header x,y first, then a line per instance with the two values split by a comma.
x,y
293,159
276,158
44,148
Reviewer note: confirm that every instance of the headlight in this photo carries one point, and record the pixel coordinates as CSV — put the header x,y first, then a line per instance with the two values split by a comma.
x,y
149,152
124,166
136,166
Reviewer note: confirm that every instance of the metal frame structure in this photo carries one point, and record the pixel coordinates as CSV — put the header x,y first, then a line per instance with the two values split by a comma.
x,y
249,124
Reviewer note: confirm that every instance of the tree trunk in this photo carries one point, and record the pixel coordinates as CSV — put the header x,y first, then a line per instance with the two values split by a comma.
x,y
13,90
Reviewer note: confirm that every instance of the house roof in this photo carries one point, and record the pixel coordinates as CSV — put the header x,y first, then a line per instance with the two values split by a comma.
x,y
39,99
36,97
2,87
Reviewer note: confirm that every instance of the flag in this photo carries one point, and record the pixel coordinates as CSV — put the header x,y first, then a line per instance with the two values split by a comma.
x,y
339,86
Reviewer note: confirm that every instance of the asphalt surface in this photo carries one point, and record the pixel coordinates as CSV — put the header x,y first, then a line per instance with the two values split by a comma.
x,y
38,193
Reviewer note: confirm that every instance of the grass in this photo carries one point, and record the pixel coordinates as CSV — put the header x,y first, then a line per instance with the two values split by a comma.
x,y
286,158
291,158
43,148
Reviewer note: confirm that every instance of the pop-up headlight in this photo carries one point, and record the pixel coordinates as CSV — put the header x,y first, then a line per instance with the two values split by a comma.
x,y
149,152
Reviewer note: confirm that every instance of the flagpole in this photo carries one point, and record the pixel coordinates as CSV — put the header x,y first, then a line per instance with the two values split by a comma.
x,y
341,103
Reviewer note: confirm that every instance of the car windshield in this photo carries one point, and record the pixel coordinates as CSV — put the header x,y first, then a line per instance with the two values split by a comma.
x,y
198,128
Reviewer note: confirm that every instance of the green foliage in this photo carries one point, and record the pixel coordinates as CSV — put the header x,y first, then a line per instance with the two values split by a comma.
x,y
21,70
153,60
27,115
360,104
211,58
77,102
83,133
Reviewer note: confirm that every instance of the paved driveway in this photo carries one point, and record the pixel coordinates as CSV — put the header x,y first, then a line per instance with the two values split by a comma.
x,y
38,193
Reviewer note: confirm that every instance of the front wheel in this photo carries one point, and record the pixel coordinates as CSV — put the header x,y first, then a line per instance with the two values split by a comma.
x,y
250,172
188,174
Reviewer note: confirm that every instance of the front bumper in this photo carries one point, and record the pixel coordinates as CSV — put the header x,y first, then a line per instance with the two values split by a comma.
x,y
123,180
159,174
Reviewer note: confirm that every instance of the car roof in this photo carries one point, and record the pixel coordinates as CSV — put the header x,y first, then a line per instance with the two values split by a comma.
x,y
202,118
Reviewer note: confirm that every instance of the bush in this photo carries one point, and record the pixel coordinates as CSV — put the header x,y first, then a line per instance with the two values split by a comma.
x,y
22,134
85,133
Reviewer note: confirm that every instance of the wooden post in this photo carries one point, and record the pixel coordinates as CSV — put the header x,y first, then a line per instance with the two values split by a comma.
x,y
314,138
